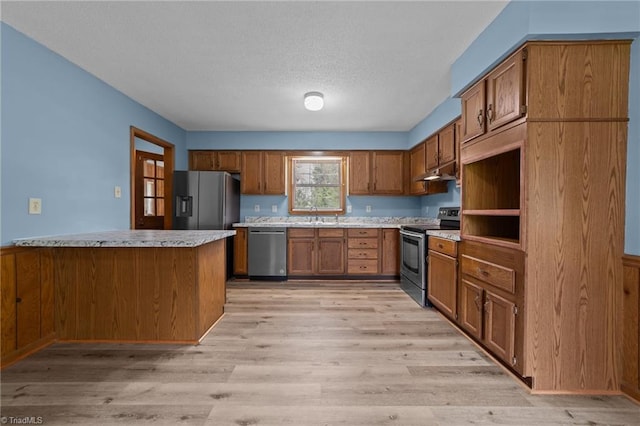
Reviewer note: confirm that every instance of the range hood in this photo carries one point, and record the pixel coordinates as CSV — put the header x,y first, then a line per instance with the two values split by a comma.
x,y
446,172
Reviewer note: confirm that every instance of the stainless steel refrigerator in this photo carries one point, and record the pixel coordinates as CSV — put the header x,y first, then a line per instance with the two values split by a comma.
x,y
207,200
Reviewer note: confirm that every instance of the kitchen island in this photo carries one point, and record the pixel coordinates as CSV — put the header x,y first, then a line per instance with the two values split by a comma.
x,y
138,285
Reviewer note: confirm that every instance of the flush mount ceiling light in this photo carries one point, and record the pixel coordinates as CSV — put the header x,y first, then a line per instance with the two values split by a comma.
x,y
313,101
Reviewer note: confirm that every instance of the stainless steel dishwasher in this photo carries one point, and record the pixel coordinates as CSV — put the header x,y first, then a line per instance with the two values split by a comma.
x,y
267,253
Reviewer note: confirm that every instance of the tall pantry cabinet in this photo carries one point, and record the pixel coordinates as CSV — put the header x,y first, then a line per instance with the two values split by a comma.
x,y
543,181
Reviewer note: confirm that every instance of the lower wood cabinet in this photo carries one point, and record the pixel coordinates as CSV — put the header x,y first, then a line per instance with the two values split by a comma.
x,y
343,252
313,251
490,300
442,284
26,294
240,252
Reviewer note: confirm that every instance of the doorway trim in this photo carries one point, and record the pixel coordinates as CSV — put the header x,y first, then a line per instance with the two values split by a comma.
x,y
169,155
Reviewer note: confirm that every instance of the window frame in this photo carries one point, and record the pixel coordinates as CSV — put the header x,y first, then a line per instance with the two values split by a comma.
x,y
342,157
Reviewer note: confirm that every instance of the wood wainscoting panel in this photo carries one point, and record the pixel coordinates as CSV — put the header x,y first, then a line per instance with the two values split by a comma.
x,y
630,380
574,252
171,294
211,284
27,302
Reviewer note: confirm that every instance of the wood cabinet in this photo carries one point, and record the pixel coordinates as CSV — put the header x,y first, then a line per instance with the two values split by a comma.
x,y
440,148
240,250
442,280
263,172
495,100
491,296
363,251
630,381
208,160
418,168
376,173
549,185
316,251
27,309
390,264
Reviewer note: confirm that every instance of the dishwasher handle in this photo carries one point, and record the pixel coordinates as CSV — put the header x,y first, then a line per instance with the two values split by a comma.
x,y
267,232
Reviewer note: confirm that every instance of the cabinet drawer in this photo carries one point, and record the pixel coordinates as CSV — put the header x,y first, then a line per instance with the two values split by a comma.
x,y
301,232
499,276
443,246
362,266
371,243
362,232
331,233
363,253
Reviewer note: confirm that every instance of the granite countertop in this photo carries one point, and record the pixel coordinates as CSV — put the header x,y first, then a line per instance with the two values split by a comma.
x,y
128,238
447,234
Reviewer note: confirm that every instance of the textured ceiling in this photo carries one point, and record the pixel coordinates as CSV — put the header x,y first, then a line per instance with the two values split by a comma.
x,y
246,65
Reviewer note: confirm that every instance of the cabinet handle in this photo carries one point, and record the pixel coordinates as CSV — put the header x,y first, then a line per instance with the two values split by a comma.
x,y
480,118
18,299
483,272
490,113
440,245
477,302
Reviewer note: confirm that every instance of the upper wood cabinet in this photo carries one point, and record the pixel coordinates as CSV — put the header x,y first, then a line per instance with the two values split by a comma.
x,y
206,160
441,148
495,100
376,173
263,173
417,158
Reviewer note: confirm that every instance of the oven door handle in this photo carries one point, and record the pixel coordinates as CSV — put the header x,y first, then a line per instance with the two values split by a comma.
x,y
412,234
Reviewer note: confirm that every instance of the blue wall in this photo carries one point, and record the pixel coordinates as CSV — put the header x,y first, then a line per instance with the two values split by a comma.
x,y
65,139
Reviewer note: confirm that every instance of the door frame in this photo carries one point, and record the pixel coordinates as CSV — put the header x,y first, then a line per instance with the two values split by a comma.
x,y
168,156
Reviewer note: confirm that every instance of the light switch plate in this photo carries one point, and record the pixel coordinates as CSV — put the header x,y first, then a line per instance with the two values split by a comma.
x,y
256,208
349,209
117,192
35,205
368,209
274,208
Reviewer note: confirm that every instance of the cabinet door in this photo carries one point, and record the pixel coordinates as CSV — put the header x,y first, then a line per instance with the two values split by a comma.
x,y
331,256
417,158
251,179
202,160
390,252
8,306
442,282
228,161
500,326
447,145
240,266
458,137
28,297
388,172
273,173
359,173
431,156
470,308
473,113
505,92
301,256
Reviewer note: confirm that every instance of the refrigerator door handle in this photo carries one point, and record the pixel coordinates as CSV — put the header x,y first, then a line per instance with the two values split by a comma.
x,y
185,206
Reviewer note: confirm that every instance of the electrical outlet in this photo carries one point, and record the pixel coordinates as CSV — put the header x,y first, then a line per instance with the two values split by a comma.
x,y
349,209
426,210
274,208
256,208
35,205
117,192
368,209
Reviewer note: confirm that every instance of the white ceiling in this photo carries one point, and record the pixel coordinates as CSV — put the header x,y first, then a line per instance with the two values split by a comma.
x,y
242,65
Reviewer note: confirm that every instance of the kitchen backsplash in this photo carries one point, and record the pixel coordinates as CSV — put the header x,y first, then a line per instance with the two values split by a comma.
x,y
343,219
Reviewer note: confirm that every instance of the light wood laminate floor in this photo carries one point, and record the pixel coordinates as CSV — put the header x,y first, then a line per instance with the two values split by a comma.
x,y
295,354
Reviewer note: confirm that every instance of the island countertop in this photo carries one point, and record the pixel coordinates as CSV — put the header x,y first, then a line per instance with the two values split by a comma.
x,y
129,238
